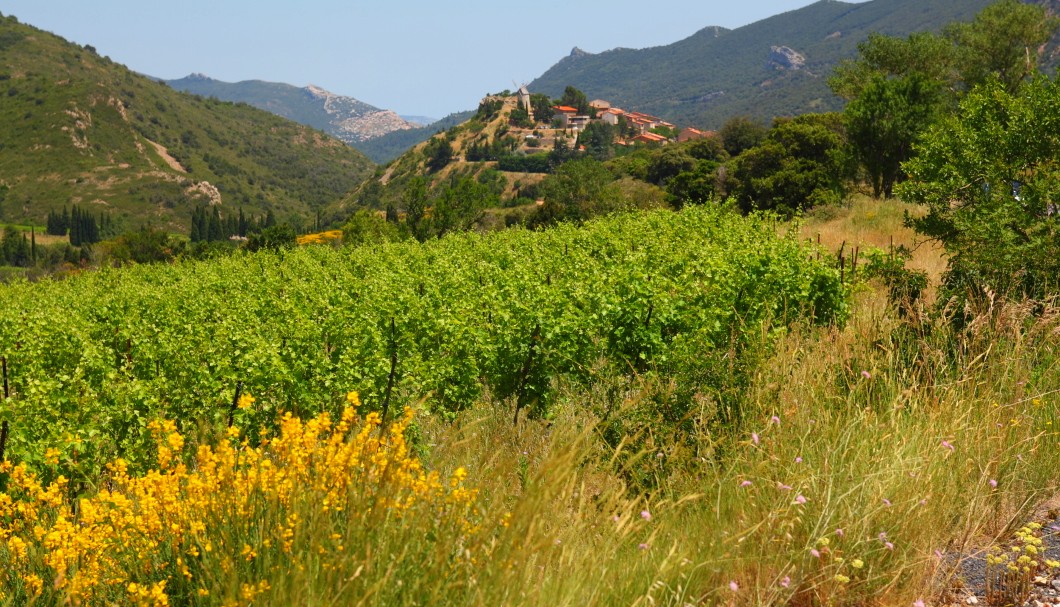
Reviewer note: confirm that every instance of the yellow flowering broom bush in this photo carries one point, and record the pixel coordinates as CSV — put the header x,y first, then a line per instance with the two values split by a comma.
x,y
233,523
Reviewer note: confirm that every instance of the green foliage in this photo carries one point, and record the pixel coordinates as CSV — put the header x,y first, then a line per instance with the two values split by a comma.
x,y
92,359
78,128
801,163
576,191
367,227
885,120
741,133
144,246
272,238
438,153
989,179
576,99
1003,42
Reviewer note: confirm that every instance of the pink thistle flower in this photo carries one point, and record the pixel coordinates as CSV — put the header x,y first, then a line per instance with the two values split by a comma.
x,y
798,460
946,444
814,553
783,487
882,536
887,502
775,420
754,437
993,483
800,499
840,532
888,545
784,583
746,484
644,514
918,603
643,546
734,586
866,375
938,554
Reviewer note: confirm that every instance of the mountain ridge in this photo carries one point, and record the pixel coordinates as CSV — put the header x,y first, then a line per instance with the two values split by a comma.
x,y
343,117
78,128
716,73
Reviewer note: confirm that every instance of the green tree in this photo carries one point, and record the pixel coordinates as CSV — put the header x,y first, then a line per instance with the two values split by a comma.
x,y
990,180
368,227
415,200
542,107
885,120
578,190
802,163
1003,42
669,162
576,99
741,133
439,152
598,139
459,205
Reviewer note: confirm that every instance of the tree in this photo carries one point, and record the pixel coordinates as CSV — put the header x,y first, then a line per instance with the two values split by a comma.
x,y
367,227
578,190
741,133
576,99
695,186
1002,42
884,122
542,107
990,180
668,162
415,200
598,139
800,164
438,152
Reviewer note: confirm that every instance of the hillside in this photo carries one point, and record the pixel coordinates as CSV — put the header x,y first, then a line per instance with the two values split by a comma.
x,y
342,117
488,128
393,144
777,66
77,128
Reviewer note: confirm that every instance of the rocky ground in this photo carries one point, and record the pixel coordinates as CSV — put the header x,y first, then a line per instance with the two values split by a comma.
x,y
970,584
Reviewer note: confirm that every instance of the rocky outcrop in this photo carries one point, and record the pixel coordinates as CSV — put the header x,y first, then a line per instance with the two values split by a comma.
x,y
785,58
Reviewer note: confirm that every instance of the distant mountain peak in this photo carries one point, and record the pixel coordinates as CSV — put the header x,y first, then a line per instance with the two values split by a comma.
x,y
577,52
198,77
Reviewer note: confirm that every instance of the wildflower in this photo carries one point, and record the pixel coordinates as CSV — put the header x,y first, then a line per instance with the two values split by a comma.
x,y
644,514
51,456
783,487
734,586
946,444
775,420
887,502
353,398
642,546
839,532
842,579
245,401
784,583
815,553
888,545
800,500
754,437
918,603
993,483
798,460
746,484
866,375
857,563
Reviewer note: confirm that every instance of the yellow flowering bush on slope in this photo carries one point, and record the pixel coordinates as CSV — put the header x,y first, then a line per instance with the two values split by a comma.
x,y
225,525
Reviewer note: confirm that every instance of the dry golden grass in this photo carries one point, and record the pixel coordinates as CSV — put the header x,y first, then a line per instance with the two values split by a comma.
x,y
869,222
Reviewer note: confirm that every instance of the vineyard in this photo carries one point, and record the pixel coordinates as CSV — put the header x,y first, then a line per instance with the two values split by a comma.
x,y
91,361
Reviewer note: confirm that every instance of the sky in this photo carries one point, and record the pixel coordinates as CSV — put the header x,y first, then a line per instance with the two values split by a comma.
x,y
416,57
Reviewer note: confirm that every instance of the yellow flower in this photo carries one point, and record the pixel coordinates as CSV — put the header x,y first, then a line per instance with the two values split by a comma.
x,y
245,401
353,398
857,563
51,456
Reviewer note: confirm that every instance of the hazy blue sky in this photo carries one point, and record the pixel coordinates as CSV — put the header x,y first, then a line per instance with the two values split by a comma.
x,y
414,56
